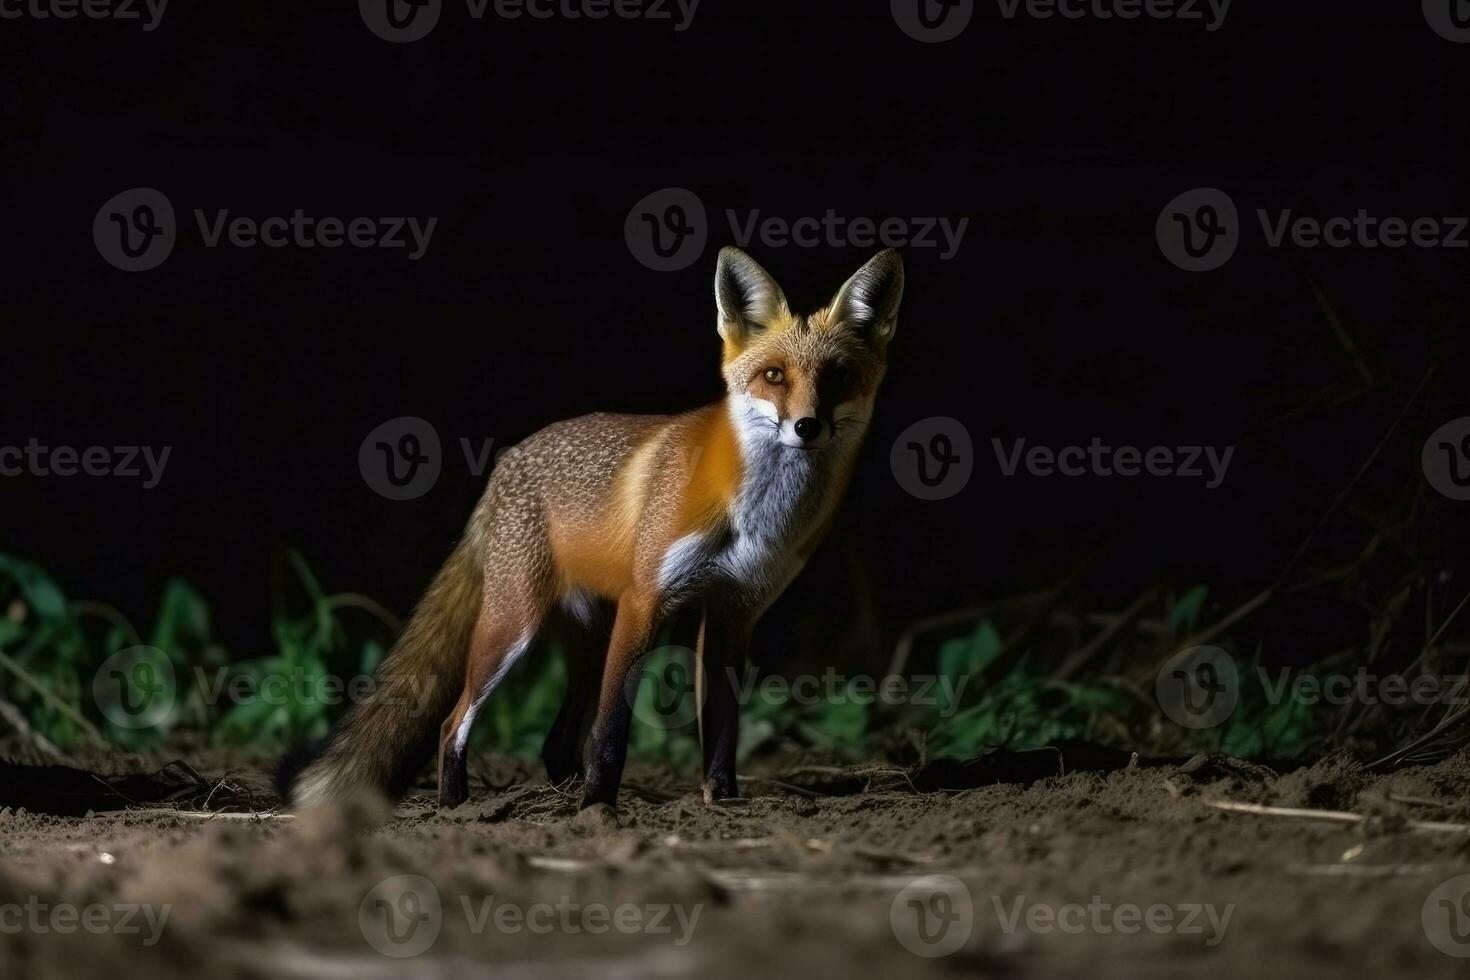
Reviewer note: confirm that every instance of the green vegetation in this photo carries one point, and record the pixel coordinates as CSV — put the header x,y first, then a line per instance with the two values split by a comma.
x,y
982,694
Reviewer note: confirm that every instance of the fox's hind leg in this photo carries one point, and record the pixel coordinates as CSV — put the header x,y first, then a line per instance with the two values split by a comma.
x,y
498,643
583,644
518,593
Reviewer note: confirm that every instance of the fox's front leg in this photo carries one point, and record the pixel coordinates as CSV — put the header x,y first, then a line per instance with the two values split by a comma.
x,y
632,628
724,638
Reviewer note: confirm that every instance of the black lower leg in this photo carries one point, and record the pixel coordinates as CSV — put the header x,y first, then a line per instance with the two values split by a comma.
x,y
562,751
583,646
454,777
720,723
722,645
609,753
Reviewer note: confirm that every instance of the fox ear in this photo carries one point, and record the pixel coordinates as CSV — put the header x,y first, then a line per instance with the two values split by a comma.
x,y
747,299
868,302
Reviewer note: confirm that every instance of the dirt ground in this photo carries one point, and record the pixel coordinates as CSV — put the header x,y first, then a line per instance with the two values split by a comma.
x,y
820,873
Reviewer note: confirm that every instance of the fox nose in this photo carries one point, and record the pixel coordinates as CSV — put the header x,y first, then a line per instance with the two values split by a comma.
x,y
808,428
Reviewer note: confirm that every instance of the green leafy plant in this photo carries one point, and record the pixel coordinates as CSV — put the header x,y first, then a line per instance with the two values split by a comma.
x,y
1021,708
52,647
985,695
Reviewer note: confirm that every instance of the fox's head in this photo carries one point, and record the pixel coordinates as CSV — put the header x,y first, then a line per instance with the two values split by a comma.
x,y
805,382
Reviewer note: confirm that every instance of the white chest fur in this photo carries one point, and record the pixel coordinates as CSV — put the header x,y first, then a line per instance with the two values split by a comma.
x,y
781,497
772,513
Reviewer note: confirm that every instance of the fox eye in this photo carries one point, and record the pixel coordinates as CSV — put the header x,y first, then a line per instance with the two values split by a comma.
x,y
775,375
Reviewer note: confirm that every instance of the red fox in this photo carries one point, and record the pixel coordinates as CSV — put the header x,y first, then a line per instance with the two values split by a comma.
x,y
717,508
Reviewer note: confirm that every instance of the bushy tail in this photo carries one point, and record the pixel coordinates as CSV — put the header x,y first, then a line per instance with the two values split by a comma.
x,y
385,740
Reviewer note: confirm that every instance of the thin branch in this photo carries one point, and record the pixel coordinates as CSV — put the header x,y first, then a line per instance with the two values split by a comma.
x,y
1329,816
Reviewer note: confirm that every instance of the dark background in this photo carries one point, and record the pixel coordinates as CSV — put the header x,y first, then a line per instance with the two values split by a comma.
x,y
1058,320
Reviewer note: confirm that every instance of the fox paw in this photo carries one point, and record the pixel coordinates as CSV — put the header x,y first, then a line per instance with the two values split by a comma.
x,y
452,795
717,794
598,816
